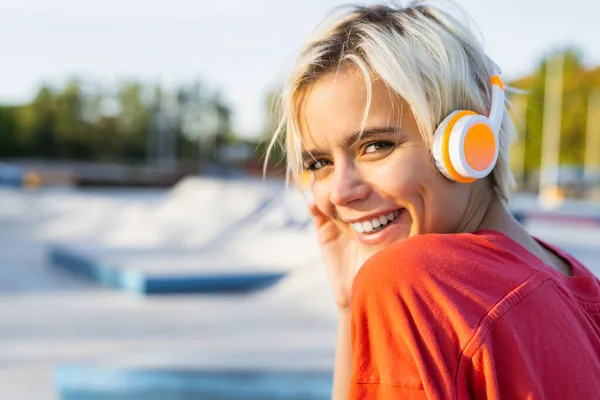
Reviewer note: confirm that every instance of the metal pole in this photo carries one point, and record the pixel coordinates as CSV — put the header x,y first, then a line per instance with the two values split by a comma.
x,y
592,140
519,146
549,194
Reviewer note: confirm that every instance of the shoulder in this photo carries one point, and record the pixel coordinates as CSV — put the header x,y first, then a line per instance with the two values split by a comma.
x,y
436,274
413,312
418,306
425,258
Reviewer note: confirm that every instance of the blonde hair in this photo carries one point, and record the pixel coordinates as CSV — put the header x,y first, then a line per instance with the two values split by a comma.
x,y
423,52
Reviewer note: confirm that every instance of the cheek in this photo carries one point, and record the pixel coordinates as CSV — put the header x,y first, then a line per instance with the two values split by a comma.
x,y
321,194
406,176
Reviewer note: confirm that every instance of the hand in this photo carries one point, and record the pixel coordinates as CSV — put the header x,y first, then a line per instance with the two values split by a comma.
x,y
340,255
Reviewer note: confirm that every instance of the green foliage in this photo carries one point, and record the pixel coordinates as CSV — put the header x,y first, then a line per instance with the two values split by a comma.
x,y
9,140
578,82
81,121
85,122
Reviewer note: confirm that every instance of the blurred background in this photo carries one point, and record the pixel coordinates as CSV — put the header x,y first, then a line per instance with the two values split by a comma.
x,y
143,255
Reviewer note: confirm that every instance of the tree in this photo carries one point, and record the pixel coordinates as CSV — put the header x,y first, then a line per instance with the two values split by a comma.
x,y
9,139
69,126
132,122
576,86
38,122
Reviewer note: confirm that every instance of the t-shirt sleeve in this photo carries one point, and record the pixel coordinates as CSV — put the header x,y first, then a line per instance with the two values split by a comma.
x,y
404,342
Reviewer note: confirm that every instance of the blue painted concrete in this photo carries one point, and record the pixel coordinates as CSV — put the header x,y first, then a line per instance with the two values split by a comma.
x,y
86,266
11,175
524,216
519,216
94,383
121,278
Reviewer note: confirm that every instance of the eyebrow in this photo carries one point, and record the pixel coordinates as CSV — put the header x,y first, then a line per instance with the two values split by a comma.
x,y
352,139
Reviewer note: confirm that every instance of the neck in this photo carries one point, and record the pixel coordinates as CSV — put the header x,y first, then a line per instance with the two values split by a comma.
x,y
487,211
484,211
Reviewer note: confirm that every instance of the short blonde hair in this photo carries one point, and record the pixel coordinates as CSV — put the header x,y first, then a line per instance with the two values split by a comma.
x,y
424,53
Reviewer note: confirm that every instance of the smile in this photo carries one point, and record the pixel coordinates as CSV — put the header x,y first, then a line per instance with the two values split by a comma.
x,y
375,224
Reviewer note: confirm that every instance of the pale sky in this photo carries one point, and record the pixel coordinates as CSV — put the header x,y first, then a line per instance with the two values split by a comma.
x,y
240,46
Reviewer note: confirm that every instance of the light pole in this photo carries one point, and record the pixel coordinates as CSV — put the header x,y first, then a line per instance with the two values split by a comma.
x,y
549,195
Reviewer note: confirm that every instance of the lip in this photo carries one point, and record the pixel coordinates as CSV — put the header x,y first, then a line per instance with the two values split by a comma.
x,y
372,215
373,239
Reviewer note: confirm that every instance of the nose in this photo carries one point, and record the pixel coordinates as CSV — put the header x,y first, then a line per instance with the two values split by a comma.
x,y
347,186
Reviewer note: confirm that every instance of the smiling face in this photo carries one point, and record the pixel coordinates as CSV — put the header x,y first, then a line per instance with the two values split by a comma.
x,y
381,186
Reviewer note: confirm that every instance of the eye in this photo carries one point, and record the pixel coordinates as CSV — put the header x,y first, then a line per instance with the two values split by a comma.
x,y
374,147
316,165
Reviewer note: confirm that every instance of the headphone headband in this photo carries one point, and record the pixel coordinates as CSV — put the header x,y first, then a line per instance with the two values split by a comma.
x,y
497,106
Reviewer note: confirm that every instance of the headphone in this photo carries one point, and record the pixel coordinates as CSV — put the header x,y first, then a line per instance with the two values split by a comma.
x,y
465,144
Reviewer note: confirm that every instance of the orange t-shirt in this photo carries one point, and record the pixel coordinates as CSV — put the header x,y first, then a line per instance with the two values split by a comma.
x,y
473,316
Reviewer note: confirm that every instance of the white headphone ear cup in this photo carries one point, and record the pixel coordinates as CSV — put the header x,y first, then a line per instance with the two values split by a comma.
x,y
438,142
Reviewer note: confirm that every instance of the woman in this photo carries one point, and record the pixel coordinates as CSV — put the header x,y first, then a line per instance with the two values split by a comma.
x,y
441,293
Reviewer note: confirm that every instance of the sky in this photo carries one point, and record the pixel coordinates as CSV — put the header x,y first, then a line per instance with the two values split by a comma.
x,y
240,47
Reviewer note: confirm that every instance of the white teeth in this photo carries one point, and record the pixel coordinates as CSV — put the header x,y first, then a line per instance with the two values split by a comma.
x,y
368,226
358,227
